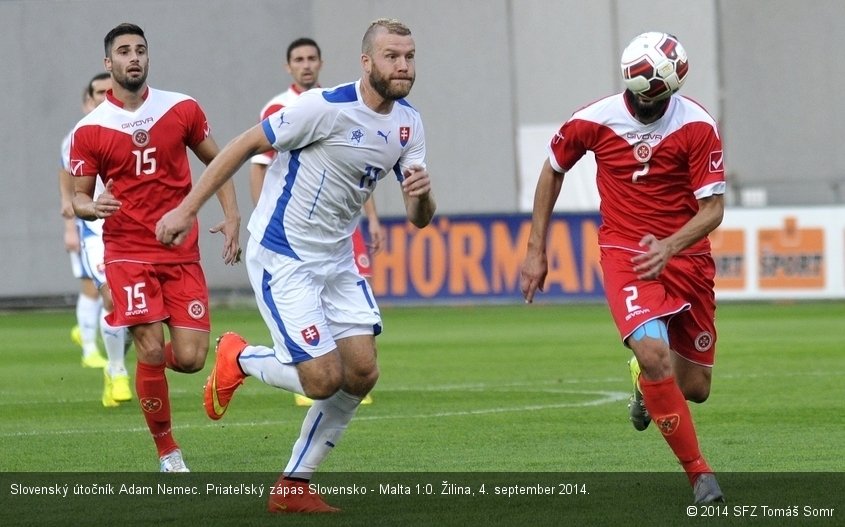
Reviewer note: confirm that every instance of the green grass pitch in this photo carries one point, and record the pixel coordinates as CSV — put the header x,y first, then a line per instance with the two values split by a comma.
x,y
464,389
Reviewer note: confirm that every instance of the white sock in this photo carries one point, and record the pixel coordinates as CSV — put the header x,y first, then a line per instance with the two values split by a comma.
x,y
261,362
88,317
114,339
322,428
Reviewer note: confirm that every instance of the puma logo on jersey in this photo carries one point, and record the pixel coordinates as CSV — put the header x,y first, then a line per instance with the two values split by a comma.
x,y
381,134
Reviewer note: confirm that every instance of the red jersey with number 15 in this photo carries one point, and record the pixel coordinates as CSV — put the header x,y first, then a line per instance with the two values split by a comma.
x,y
145,153
650,176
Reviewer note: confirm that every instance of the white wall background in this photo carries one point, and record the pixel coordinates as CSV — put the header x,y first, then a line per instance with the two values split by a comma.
x,y
493,77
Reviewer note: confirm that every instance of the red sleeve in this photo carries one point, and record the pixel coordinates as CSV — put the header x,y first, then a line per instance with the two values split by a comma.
x,y
197,129
706,163
84,160
270,110
570,143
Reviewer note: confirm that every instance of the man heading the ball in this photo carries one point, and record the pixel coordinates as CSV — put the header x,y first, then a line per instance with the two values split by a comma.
x,y
661,180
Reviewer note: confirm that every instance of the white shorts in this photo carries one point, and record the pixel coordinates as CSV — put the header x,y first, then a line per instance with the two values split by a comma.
x,y
307,305
76,266
81,264
92,255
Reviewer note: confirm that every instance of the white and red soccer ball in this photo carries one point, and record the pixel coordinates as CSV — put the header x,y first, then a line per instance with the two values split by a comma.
x,y
654,65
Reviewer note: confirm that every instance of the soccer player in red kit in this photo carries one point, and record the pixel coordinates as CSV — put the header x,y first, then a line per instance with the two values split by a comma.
x,y
136,142
661,182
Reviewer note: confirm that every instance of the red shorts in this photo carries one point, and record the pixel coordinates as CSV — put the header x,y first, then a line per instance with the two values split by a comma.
x,y
682,295
361,253
145,293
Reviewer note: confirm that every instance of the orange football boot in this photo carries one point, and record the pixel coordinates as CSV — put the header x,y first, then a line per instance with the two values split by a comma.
x,y
296,496
226,375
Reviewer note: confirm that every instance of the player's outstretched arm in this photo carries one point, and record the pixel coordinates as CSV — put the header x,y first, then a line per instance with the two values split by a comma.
x,y
230,227
66,194
71,236
174,226
535,267
419,199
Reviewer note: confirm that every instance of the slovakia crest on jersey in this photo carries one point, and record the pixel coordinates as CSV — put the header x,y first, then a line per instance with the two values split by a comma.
x,y
311,335
404,135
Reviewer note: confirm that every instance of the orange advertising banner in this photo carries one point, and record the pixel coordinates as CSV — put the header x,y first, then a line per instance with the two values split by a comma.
x,y
791,257
728,246
465,258
469,257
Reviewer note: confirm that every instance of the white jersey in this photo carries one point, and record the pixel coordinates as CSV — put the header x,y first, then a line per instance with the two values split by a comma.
x,y
87,227
333,150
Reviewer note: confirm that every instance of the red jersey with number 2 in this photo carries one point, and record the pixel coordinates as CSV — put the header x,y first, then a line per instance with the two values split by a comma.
x,y
145,153
650,176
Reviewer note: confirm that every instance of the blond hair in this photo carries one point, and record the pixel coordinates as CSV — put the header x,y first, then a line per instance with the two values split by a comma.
x,y
391,25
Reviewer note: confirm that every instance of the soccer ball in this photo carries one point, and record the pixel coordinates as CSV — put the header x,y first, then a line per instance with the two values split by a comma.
x,y
654,65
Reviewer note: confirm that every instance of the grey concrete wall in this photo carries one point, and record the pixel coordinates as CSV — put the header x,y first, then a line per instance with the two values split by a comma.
x,y
766,68
463,91
783,115
228,55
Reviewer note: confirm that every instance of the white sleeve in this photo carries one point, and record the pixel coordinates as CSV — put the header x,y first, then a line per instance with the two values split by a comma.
x,y
308,119
415,153
66,153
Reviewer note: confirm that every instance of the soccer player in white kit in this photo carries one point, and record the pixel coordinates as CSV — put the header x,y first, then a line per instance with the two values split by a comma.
x,y
90,259
304,62
88,304
334,146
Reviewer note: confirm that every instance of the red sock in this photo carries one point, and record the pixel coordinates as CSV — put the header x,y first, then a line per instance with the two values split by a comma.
x,y
151,386
669,410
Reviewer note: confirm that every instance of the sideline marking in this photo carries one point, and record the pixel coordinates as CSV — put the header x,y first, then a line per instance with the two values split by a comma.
x,y
603,397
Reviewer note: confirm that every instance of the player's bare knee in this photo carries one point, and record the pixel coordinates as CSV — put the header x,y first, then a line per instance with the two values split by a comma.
x,y
650,344
693,380
696,394
190,361
654,359
372,378
322,390
192,367
324,386
360,382
321,377
148,350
